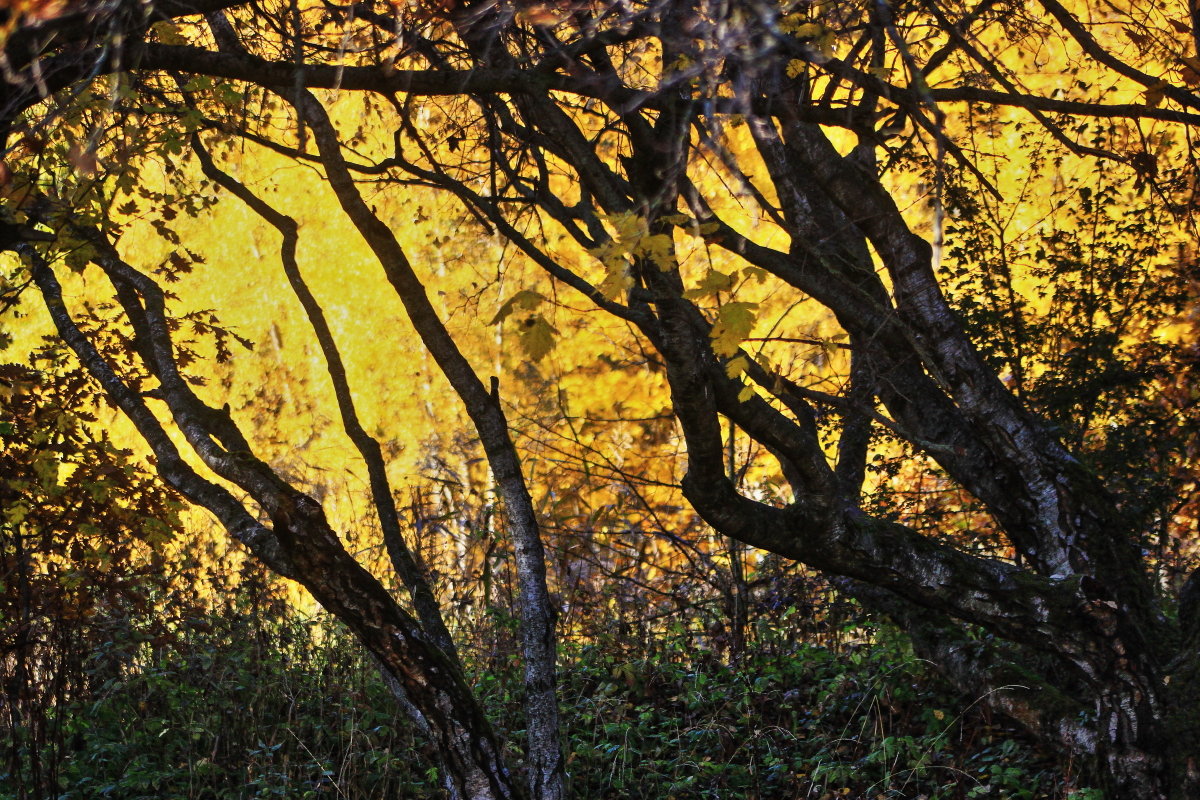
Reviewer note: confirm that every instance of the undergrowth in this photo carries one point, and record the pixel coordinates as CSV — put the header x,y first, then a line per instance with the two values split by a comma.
x,y
238,706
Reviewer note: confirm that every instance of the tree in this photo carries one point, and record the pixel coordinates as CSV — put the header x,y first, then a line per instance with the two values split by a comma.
x,y
81,533
693,171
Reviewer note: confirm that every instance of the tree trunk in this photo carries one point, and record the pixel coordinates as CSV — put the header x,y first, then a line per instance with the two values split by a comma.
x,y
300,544
1123,729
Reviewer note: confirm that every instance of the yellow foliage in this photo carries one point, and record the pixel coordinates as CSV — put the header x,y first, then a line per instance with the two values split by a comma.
x,y
734,323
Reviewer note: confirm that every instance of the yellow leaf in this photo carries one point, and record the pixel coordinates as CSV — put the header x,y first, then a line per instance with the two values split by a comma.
x,y
733,325
659,249
758,273
537,337
524,300
168,33
616,283
792,22
611,254
745,394
629,226
737,366
713,283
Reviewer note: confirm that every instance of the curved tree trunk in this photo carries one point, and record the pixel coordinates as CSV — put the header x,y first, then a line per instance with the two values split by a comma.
x,y
1067,609
299,544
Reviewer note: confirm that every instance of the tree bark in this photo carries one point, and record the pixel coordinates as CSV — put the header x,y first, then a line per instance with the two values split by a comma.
x,y
547,774
299,544
1073,613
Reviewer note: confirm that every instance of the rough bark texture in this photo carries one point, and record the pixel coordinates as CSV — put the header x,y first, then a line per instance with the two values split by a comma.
x,y
299,543
1113,674
546,765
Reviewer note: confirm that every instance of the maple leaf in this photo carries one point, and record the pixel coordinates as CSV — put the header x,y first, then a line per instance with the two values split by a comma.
x,y
524,300
537,337
758,273
737,366
714,282
616,283
628,225
1190,72
733,325
1154,93
658,249
168,33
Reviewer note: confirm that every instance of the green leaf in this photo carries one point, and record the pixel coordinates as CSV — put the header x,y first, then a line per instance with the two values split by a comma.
x,y
16,513
199,83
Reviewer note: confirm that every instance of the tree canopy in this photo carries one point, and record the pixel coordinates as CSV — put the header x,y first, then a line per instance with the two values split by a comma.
x,y
902,291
